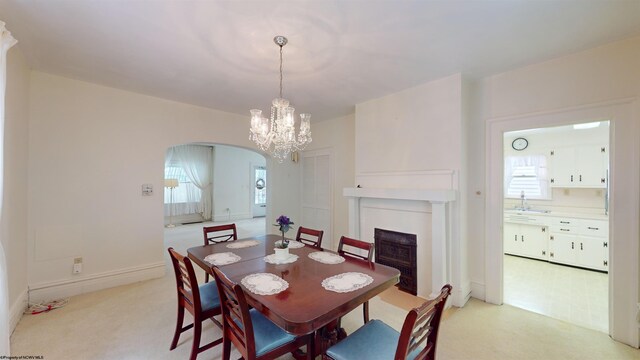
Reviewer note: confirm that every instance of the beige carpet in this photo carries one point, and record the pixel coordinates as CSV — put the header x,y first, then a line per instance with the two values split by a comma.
x,y
136,322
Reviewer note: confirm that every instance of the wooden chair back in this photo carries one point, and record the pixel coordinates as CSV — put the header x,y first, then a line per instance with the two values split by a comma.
x,y
358,244
310,236
236,320
421,327
219,233
186,282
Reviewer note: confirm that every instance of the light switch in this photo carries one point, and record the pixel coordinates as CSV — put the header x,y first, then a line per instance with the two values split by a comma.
x,y
147,189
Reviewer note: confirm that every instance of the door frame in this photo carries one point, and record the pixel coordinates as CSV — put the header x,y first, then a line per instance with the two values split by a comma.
x,y
624,204
328,234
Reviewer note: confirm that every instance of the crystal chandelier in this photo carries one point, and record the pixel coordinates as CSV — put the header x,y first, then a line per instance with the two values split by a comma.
x,y
277,134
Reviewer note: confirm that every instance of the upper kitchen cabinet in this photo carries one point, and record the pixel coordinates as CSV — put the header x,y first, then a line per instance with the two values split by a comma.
x,y
580,166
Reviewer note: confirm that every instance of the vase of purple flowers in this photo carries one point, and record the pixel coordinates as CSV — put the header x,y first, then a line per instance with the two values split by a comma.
x,y
282,247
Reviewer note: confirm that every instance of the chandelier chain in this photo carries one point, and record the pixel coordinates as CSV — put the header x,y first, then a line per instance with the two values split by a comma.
x,y
281,71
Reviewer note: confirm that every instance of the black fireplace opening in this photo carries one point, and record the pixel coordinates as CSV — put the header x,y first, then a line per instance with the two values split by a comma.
x,y
398,250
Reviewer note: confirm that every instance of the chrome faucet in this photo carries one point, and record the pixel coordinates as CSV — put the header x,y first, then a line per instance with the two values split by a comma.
x,y
523,201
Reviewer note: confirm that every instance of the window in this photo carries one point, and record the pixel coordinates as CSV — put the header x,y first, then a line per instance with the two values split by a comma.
x,y
186,192
526,174
261,185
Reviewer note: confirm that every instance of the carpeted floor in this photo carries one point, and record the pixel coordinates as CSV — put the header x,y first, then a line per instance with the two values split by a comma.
x,y
136,321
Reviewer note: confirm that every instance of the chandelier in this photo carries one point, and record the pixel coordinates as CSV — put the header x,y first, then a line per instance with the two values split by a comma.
x,y
277,135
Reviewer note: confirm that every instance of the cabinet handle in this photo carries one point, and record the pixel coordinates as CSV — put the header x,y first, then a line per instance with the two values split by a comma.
x,y
605,263
544,252
551,237
515,237
572,245
580,178
602,181
551,254
565,230
544,229
581,247
522,238
592,228
565,222
571,178
605,244
552,180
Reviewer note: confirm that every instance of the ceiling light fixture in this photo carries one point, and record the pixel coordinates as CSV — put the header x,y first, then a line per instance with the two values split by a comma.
x,y
277,134
590,125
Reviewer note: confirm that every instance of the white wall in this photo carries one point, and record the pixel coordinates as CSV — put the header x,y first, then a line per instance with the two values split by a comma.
x,y
13,226
418,129
90,150
578,81
414,139
337,135
233,182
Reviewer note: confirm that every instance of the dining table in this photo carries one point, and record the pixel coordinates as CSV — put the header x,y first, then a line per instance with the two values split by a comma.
x,y
305,306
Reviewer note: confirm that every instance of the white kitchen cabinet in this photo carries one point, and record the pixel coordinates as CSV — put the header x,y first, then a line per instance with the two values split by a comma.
x,y
526,240
579,242
581,166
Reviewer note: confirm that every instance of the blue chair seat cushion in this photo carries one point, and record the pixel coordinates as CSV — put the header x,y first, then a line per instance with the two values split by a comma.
x,y
209,298
374,340
266,334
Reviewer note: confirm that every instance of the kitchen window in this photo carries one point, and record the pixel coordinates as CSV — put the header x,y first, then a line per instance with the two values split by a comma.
x,y
528,174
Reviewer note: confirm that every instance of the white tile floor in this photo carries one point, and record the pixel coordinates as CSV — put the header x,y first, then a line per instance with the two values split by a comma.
x,y
561,292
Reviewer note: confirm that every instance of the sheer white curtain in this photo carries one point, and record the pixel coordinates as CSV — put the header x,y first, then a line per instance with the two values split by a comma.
x,y
196,162
185,199
526,173
6,42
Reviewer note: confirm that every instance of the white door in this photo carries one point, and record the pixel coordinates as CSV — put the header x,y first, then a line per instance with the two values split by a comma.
x,y
317,204
259,198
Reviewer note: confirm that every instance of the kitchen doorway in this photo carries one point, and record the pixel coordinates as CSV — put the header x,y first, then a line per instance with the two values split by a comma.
x,y
556,221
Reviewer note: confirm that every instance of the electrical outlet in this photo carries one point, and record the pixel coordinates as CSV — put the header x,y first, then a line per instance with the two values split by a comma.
x,y
77,265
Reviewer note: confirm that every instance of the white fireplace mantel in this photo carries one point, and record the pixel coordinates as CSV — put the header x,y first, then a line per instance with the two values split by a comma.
x,y
440,217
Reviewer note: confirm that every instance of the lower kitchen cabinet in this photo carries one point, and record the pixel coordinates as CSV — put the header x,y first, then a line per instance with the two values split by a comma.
x,y
583,251
526,240
562,240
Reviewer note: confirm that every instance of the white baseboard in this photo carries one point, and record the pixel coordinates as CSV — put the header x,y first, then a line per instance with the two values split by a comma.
x,y
462,295
477,291
231,217
16,310
71,287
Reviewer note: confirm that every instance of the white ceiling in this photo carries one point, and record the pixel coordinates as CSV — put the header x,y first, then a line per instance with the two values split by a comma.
x,y
220,54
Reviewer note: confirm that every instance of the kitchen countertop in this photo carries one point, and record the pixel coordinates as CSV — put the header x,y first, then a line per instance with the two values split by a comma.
x,y
552,213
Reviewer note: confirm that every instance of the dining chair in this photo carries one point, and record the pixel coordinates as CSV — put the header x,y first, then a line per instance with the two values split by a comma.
x,y
377,340
217,234
253,335
202,302
361,245
310,236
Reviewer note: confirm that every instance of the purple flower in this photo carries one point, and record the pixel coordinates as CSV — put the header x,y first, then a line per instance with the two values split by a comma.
x,y
284,223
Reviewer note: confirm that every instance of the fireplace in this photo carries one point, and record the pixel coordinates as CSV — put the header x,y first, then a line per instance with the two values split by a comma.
x,y
398,250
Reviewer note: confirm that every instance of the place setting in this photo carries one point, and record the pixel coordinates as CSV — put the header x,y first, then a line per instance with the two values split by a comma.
x,y
346,282
225,258
243,244
326,257
264,284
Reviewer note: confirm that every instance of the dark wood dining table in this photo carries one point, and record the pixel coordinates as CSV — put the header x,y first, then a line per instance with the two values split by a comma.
x,y
305,306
